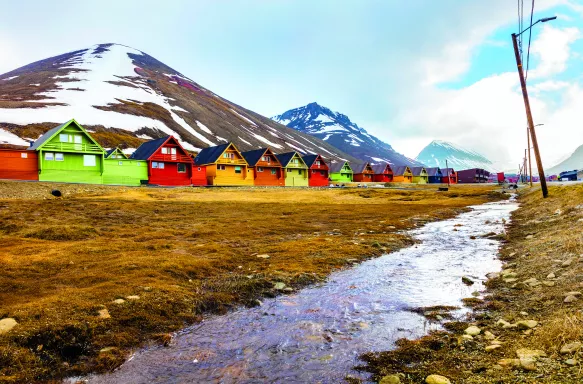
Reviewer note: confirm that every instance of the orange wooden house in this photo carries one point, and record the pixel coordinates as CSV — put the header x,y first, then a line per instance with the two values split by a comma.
x,y
362,172
265,167
225,165
383,173
402,174
18,164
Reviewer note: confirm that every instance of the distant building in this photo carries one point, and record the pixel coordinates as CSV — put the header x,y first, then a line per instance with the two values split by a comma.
x,y
474,175
568,175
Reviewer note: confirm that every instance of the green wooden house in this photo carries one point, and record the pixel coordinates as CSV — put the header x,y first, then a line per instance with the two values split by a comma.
x,y
341,172
120,170
68,153
294,168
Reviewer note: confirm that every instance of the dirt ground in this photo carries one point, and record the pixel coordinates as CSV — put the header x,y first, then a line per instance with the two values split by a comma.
x,y
533,309
102,270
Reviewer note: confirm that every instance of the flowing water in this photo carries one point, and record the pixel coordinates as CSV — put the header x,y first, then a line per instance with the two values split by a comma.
x,y
317,334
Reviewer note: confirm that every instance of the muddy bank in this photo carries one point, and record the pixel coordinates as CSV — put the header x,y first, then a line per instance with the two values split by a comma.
x,y
530,324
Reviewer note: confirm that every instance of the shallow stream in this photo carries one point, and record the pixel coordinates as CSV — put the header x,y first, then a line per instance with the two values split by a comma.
x,y
317,334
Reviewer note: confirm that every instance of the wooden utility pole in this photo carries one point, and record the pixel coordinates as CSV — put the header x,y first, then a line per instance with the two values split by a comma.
x,y
539,164
529,163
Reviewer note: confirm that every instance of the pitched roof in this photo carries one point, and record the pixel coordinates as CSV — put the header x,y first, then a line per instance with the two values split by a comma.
x,y
285,158
447,171
380,168
400,170
147,149
252,157
311,159
360,167
210,155
53,131
115,150
416,171
433,171
337,167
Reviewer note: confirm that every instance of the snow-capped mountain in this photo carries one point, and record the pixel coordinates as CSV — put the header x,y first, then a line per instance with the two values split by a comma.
x,y
124,96
437,152
575,161
337,130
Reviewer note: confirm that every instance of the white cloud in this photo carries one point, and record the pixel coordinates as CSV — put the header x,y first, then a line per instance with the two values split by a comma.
x,y
553,49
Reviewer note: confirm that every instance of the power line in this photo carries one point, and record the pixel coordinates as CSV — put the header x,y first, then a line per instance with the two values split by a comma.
x,y
529,37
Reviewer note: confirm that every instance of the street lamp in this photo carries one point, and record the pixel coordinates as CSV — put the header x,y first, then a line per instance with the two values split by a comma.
x,y
539,164
529,163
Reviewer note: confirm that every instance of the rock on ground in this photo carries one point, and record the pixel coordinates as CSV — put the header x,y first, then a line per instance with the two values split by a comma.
x,y
437,379
472,330
7,324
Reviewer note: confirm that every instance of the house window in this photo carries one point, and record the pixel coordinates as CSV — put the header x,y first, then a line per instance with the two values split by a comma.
x,y
164,150
24,155
313,171
139,163
237,169
89,160
59,157
221,167
225,155
154,164
160,165
173,151
322,173
299,171
181,168
273,171
318,162
78,139
289,170
64,138
49,156
120,163
198,169
259,169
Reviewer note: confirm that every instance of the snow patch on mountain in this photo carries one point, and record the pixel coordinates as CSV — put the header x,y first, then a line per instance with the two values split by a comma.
x,y
437,152
337,130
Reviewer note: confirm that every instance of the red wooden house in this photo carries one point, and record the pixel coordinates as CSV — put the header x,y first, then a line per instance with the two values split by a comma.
x,y
198,174
318,171
383,173
18,164
362,172
168,163
451,173
265,166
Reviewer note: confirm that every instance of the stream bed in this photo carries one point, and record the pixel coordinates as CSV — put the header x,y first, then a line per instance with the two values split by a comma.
x,y
316,334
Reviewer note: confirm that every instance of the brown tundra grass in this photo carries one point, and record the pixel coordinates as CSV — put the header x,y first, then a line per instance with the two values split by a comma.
x,y
185,252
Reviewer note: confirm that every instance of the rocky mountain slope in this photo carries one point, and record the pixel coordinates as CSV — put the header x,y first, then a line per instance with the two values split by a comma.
x,y
124,96
435,154
337,130
575,161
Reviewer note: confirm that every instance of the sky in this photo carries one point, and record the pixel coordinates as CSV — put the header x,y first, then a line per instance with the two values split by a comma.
x,y
408,72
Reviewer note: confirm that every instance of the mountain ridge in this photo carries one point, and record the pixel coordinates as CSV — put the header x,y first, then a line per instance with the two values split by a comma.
x,y
338,130
437,152
125,96
574,161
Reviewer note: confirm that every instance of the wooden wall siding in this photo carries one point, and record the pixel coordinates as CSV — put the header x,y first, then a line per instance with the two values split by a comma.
x,y
170,175
363,174
18,164
228,175
123,171
318,177
74,168
198,175
268,176
296,176
343,177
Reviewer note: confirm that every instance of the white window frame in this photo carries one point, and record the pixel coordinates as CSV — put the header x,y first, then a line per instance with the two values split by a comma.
x,y
65,137
120,163
199,169
154,165
160,165
49,156
240,169
164,150
173,151
59,157
259,169
86,159
24,155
